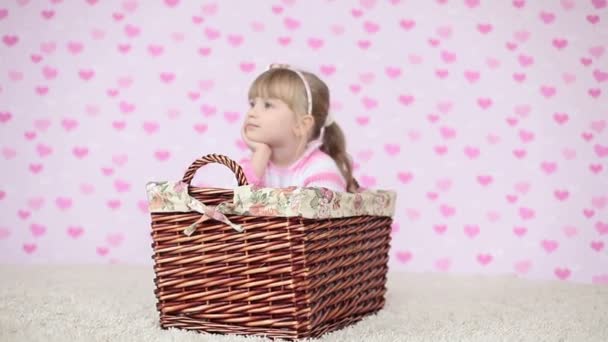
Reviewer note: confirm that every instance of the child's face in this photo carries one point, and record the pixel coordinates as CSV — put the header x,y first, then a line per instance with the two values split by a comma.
x,y
270,121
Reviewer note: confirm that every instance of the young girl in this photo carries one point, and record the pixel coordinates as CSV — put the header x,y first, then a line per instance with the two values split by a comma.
x,y
293,138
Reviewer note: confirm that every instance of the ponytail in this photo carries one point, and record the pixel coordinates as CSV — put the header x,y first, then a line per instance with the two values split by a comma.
x,y
334,145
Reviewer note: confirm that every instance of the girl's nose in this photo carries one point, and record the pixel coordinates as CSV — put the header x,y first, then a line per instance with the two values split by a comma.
x,y
252,112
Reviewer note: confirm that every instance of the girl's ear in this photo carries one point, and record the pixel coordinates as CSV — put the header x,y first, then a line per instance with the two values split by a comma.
x,y
304,126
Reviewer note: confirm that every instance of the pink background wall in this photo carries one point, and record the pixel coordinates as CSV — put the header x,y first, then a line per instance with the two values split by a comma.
x,y
488,117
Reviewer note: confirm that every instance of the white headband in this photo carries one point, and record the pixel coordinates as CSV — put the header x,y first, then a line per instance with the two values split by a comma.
x,y
329,120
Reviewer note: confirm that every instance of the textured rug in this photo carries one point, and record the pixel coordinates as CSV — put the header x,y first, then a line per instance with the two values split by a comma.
x,y
117,303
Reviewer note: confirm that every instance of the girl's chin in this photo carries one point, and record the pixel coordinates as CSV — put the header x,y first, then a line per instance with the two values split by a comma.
x,y
256,137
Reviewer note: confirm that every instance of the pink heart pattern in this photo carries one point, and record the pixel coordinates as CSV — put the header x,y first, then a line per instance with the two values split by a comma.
x,y
498,150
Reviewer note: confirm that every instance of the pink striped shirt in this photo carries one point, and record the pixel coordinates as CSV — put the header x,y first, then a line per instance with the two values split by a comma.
x,y
314,168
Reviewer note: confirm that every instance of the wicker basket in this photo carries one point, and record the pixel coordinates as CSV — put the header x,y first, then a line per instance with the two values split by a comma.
x,y
282,277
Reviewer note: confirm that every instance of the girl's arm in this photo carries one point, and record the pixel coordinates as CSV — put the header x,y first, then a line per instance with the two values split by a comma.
x,y
255,167
259,161
329,180
322,171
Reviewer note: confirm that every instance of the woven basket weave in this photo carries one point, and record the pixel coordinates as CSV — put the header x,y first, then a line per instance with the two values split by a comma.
x,y
283,277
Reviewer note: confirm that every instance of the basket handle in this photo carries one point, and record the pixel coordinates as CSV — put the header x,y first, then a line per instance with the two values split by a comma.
x,y
219,159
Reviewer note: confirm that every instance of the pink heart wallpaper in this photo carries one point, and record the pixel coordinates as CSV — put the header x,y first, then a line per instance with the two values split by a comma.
x,y
489,119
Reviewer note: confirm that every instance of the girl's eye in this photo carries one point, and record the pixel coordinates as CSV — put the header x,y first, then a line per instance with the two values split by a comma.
x,y
266,104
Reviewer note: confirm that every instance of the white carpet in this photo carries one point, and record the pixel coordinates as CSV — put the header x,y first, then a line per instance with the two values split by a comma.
x,y
117,303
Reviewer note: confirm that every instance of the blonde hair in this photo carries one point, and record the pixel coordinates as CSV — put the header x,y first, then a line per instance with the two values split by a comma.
x,y
286,85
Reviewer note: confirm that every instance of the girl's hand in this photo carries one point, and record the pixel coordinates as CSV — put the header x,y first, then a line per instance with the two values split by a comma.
x,y
254,146
261,154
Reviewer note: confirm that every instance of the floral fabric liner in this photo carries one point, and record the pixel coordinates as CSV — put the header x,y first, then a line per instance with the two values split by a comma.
x,y
250,200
